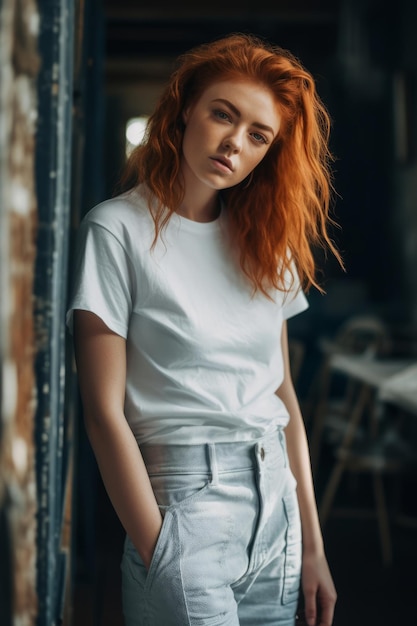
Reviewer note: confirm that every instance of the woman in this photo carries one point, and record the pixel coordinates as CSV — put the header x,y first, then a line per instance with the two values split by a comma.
x,y
183,287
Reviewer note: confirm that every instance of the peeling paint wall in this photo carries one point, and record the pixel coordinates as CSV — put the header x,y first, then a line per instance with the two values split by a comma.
x,y
54,424
19,66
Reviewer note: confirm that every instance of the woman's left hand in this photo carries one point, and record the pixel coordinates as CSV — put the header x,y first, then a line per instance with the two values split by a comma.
x,y
319,591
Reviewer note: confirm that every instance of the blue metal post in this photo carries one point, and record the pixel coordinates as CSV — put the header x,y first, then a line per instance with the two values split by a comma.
x,y
53,171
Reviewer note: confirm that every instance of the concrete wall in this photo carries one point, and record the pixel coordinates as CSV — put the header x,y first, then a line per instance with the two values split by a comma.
x,y
19,66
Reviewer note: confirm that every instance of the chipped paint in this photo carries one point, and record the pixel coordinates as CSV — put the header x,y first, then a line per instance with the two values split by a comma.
x,y
20,455
18,69
10,389
21,198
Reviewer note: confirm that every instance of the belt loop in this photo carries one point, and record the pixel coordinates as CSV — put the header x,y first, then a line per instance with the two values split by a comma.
x,y
282,442
213,464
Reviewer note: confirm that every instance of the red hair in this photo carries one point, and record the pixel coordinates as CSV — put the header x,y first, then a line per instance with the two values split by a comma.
x,y
279,214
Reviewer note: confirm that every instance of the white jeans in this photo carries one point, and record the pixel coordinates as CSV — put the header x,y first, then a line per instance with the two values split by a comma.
x,y
229,551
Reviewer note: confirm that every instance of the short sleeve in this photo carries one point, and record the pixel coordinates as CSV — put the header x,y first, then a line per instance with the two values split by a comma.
x,y
295,301
298,304
103,278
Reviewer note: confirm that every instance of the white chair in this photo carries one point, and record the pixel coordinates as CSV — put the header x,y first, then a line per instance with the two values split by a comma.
x,y
329,412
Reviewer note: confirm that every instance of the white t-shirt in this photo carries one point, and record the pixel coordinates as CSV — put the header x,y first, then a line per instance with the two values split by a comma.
x,y
203,353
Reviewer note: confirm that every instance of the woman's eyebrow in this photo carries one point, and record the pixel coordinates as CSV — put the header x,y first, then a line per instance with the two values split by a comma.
x,y
238,114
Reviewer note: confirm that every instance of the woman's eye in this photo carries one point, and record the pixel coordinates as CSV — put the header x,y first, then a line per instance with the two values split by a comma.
x,y
259,138
222,115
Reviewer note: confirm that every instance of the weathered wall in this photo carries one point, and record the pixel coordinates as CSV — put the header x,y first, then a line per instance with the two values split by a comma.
x,y
53,421
19,67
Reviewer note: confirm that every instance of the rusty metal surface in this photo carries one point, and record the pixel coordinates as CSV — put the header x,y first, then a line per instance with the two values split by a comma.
x,y
19,65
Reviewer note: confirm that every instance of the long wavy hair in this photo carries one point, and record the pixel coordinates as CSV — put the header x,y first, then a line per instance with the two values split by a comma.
x,y
281,213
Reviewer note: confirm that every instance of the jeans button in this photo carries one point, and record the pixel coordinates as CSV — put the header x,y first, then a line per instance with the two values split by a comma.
x,y
262,453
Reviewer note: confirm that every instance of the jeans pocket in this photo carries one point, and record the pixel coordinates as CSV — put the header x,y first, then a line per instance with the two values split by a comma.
x,y
163,537
293,548
132,564
172,491
175,490
156,595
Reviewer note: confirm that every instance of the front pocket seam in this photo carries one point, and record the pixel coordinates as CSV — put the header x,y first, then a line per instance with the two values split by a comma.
x,y
166,522
175,506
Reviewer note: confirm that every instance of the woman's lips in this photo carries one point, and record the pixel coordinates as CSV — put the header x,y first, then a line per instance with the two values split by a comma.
x,y
224,164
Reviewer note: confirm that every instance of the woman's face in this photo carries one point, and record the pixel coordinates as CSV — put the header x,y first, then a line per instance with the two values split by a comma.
x,y
228,131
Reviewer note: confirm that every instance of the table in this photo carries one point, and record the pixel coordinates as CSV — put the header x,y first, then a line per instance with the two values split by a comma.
x,y
370,371
386,380
401,389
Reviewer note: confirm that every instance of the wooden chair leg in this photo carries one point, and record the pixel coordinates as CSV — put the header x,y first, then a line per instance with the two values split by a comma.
x,y
333,483
364,397
330,491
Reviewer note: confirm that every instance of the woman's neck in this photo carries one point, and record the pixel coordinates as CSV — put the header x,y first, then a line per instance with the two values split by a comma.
x,y
200,209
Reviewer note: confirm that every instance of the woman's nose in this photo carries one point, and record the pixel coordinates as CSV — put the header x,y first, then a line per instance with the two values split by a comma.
x,y
233,142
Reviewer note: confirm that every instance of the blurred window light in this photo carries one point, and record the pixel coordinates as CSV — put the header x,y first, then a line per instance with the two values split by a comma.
x,y
135,131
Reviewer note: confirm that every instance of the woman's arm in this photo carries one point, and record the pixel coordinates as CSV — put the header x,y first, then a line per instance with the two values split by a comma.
x,y
101,363
318,587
